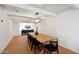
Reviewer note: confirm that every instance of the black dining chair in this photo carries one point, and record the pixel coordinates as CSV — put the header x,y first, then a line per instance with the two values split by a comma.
x,y
51,47
30,37
36,45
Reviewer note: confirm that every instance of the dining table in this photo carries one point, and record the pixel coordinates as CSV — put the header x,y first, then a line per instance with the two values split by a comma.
x,y
44,37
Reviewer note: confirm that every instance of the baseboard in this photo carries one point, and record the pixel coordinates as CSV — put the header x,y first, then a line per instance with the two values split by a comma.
x,y
70,49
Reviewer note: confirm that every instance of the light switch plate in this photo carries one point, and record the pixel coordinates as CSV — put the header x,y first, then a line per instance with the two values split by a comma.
x,y
1,20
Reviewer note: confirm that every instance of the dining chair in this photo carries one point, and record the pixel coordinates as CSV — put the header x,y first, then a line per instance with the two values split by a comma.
x,y
36,45
30,37
51,47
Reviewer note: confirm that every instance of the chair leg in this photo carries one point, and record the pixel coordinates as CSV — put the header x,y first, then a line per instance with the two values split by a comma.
x,y
44,51
29,44
31,47
41,47
34,49
57,52
50,52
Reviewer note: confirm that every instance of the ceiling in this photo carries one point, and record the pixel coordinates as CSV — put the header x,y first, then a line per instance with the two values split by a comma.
x,y
56,8
28,10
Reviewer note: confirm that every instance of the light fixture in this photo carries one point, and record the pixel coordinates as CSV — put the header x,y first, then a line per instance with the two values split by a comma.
x,y
36,21
37,18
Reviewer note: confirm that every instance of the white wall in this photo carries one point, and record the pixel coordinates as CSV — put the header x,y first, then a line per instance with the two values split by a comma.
x,y
11,28
48,26
15,28
4,31
68,29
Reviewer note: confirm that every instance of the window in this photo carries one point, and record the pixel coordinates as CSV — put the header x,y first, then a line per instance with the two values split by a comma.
x,y
26,26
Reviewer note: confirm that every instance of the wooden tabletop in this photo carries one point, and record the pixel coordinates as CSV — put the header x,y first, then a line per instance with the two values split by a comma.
x,y
44,38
